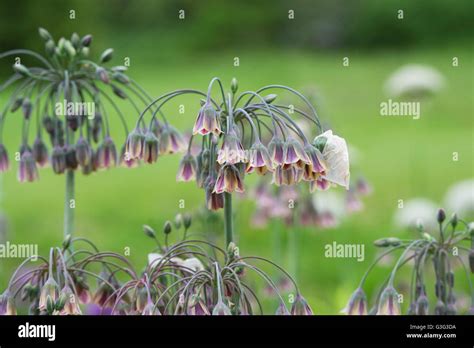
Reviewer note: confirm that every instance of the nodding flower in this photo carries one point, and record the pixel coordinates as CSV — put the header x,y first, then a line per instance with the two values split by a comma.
x,y
294,153
187,168
300,306
229,180
214,201
232,151
58,159
276,148
7,304
207,121
286,175
27,171
171,141
357,304
49,290
316,165
197,307
107,154
83,152
4,162
40,152
135,144
125,159
259,159
150,147
320,183
71,304
388,303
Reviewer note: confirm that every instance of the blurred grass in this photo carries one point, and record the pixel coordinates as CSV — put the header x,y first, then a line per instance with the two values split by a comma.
x,y
401,157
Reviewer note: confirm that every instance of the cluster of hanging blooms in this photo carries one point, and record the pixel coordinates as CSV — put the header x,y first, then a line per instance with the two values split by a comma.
x,y
233,128
63,96
445,251
190,277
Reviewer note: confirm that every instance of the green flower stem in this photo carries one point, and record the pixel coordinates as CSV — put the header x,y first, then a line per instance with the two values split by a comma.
x,y
68,211
293,253
228,223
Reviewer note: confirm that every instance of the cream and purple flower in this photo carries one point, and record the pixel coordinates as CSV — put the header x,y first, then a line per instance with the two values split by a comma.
x,y
232,151
259,159
276,149
27,171
187,168
207,121
388,303
229,180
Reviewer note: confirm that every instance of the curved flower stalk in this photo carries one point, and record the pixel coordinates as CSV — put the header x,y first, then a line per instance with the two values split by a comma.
x,y
232,128
446,252
190,277
65,97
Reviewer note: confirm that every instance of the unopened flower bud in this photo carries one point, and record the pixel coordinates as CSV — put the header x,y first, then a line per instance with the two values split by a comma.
x,y
441,216
270,98
187,219
234,85
44,34
107,55
150,232
422,305
86,40
167,227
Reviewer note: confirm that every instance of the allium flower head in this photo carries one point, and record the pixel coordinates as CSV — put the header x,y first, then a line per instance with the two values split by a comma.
x,y
232,151
207,121
276,148
27,171
388,303
187,168
259,159
336,157
150,148
4,163
357,304
40,152
229,180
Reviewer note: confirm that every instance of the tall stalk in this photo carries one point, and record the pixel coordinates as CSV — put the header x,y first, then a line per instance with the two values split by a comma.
x,y
228,222
68,210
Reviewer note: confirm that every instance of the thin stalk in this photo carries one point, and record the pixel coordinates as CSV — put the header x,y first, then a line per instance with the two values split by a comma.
x,y
228,222
68,210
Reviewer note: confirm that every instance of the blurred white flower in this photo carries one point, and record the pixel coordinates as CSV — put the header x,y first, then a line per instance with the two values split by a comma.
x,y
460,199
155,258
329,203
336,158
194,264
414,81
417,210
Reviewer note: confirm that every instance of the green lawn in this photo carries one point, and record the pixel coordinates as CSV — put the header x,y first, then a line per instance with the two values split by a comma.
x,y
402,158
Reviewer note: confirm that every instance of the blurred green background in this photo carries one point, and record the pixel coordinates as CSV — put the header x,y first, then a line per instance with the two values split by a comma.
x,y
402,158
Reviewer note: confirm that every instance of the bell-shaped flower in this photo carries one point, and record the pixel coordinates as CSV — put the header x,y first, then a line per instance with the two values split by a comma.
x,y
232,151
357,304
187,168
171,141
294,153
286,175
214,201
40,152
276,148
259,159
316,166
221,309
207,121
50,290
71,304
107,154
336,158
125,159
135,144
388,302
300,306
150,147
27,170
83,152
229,180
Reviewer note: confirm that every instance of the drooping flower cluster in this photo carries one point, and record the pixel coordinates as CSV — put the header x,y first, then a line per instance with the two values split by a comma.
x,y
446,251
190,277
65,95
233,129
